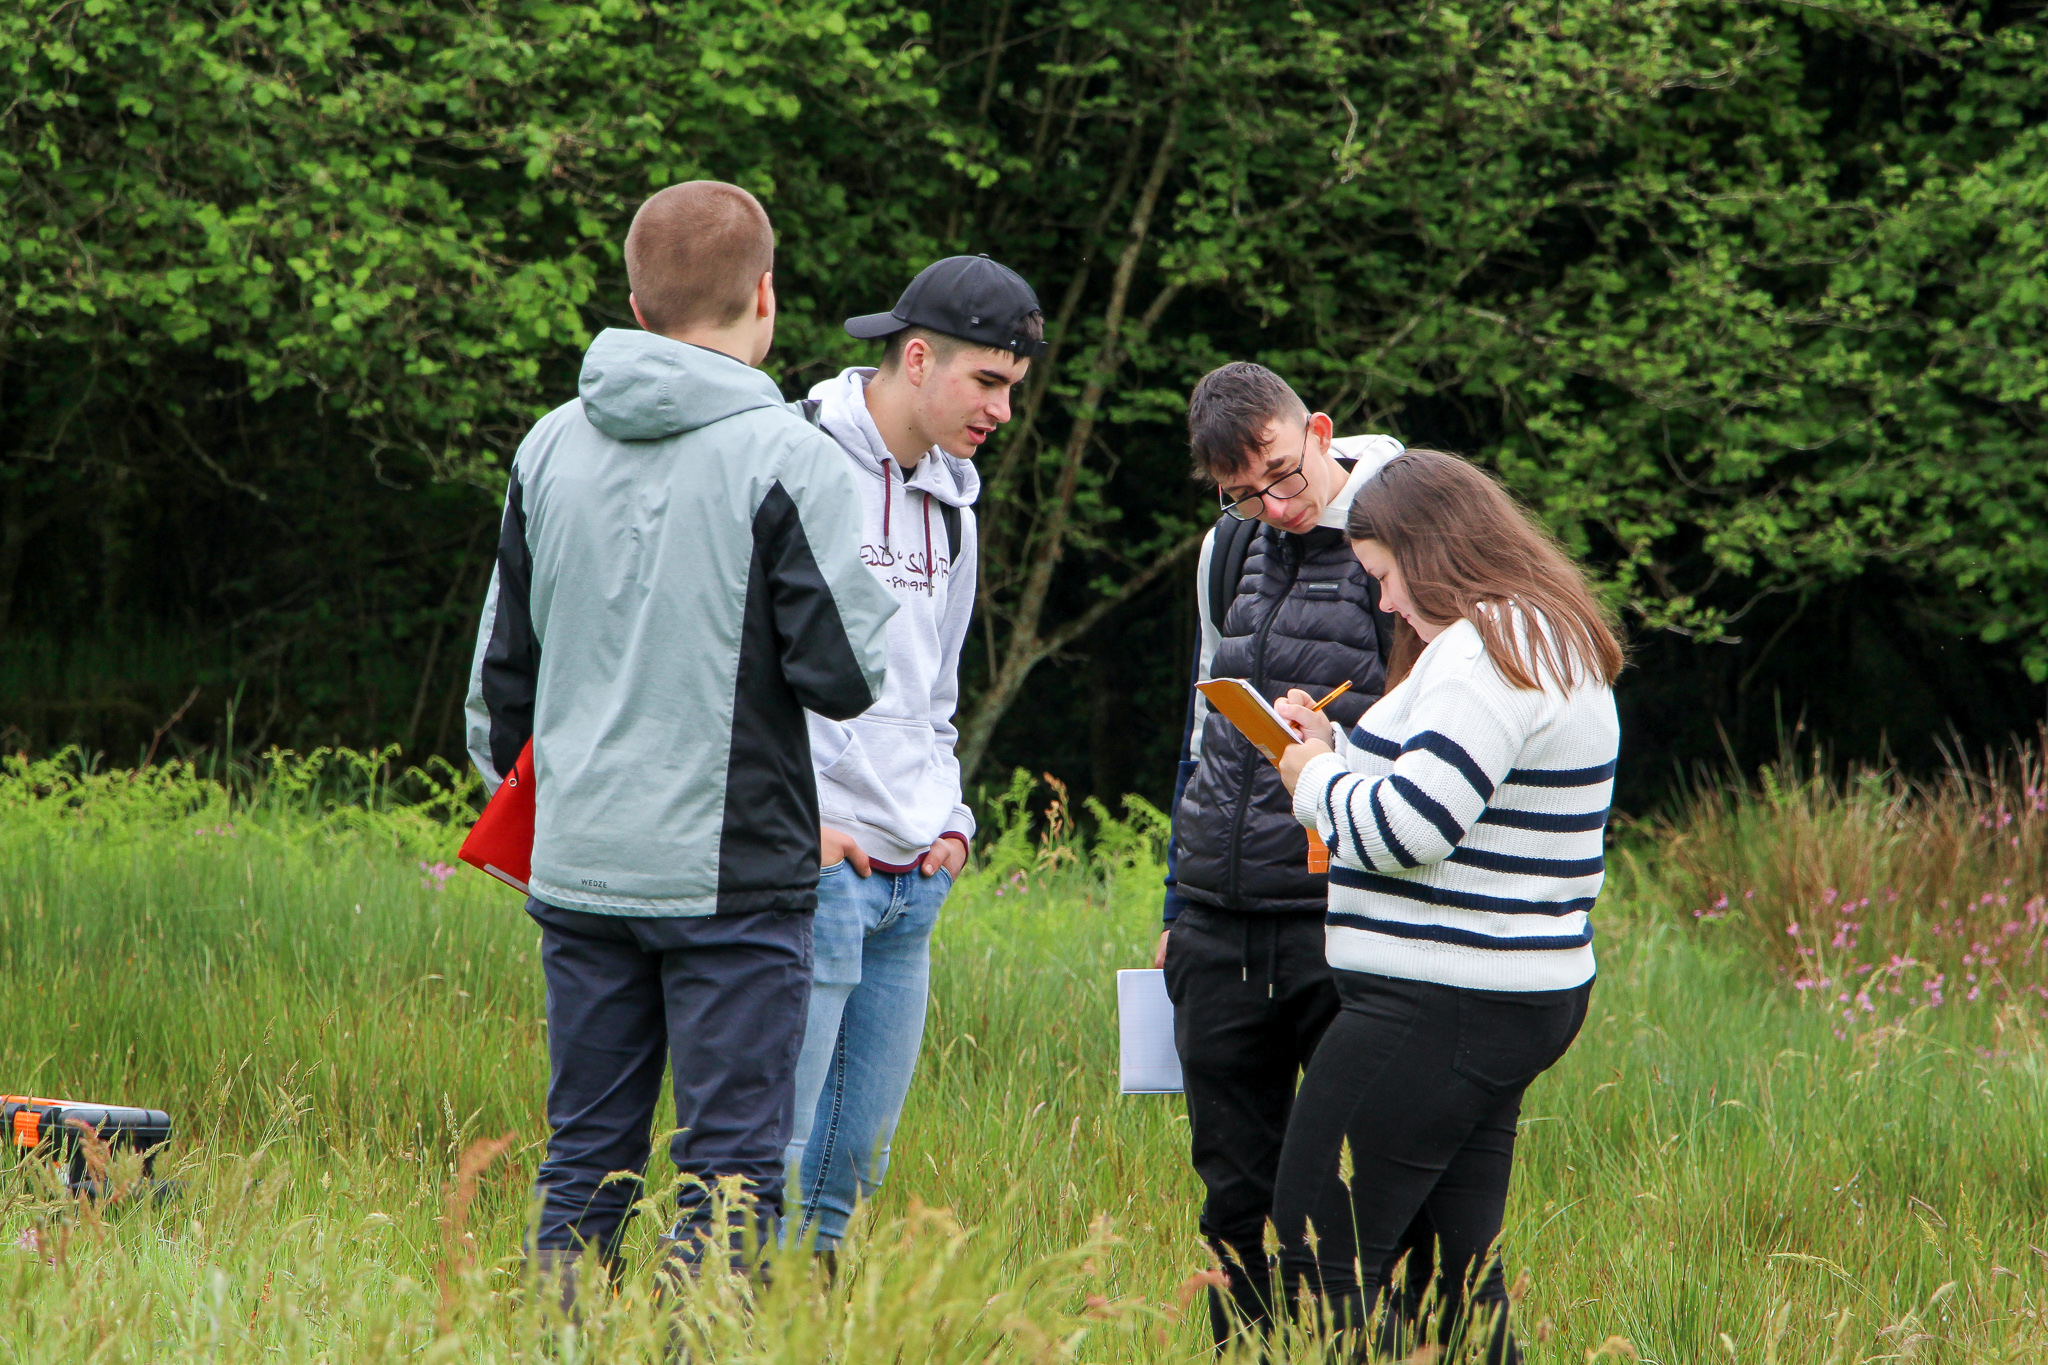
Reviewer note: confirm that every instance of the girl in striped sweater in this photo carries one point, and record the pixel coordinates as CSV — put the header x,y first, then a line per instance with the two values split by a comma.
x,y
1464,816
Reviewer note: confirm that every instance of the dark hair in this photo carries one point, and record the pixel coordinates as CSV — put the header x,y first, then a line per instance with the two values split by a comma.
x,y
1466,549
696,253
944,347
1228,414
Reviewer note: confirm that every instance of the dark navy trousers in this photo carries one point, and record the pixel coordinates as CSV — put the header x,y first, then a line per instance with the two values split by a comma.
x,y
722,1000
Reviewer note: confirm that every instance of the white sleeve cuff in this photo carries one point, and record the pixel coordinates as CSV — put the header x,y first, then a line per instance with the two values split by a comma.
x,y
1308,792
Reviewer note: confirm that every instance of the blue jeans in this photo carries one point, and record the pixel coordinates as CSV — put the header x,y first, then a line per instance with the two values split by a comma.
x,y
871,968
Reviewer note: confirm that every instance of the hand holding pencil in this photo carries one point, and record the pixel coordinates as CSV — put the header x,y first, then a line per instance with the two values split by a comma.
x,y
1305,713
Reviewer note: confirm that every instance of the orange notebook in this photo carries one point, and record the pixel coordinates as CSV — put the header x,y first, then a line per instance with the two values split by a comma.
x,y
1255,717
501,842
1251,713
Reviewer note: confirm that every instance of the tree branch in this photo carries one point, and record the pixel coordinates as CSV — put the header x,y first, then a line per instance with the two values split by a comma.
x,y
1131,587
1046,544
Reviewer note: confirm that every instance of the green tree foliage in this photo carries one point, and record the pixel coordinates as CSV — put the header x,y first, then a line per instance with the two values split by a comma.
x,y
1746,299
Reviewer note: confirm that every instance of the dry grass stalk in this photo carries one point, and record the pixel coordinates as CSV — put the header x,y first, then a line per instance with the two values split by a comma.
x,y
458,1248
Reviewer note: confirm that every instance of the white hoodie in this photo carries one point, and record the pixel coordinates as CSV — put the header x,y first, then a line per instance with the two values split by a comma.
x,y
888,777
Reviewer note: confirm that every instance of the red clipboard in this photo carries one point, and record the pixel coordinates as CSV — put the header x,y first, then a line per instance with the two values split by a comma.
x,y
501,841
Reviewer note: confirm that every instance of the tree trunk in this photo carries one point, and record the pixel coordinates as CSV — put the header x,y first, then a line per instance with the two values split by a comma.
x,y
13,538
17,529
457,582
1008,683
1027,646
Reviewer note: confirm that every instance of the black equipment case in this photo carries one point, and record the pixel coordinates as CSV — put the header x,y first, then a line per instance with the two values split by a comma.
x,y
58,1128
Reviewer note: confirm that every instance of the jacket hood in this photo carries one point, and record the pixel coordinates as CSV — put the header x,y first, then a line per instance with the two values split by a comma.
x,y
638,386
843,414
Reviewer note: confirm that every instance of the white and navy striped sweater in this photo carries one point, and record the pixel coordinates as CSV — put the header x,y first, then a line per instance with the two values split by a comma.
x,y
1465,821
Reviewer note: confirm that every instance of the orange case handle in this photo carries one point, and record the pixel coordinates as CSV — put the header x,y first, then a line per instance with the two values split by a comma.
x,y
28,1123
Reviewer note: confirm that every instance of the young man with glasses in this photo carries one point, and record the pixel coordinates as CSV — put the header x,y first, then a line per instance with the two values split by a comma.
x,y
1282,603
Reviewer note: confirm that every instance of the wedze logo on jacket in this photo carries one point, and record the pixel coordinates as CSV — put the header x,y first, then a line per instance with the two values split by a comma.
x,y
678,578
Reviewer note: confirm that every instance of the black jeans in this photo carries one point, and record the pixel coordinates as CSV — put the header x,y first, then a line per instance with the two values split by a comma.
x,y
1251,997
721,997
1425,1082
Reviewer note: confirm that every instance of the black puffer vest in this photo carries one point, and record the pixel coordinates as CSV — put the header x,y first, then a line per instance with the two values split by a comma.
x,y
1305,615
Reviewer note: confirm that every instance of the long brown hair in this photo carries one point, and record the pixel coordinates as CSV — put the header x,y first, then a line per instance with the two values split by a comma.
x,y
1463,543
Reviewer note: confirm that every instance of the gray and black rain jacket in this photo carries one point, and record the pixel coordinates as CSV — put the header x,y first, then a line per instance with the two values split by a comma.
x,y
678,579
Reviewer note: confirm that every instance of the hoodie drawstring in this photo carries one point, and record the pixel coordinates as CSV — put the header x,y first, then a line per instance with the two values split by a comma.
x,y
927,540
889,501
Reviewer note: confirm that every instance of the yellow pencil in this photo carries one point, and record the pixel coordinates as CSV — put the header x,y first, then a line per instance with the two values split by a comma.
x,y
1342,688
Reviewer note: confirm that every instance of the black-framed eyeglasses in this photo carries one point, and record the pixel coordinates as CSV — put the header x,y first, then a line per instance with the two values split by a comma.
x,y
1289,485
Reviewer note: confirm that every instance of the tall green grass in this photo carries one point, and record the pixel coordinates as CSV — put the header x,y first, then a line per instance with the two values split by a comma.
x,y
1718,1171
1873,893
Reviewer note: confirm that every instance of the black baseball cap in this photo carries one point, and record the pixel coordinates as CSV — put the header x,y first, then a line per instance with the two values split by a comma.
x,y
969,297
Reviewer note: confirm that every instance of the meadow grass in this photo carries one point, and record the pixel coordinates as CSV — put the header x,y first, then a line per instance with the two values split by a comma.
x,y
1723,1168
1872,891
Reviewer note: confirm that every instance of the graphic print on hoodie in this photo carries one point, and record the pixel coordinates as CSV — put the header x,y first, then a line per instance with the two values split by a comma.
x,y
889,776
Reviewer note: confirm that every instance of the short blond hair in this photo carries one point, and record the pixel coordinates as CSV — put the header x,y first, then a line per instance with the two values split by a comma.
x,y
696,253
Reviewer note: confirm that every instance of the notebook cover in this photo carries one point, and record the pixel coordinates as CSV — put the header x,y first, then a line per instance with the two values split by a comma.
x,y
1268,734
501,842
1250,713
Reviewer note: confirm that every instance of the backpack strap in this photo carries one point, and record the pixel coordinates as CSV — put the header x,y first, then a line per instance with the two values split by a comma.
x,y
1226,564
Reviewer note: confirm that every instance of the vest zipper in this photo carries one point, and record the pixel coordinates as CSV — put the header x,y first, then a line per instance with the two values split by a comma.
x,y
1253,757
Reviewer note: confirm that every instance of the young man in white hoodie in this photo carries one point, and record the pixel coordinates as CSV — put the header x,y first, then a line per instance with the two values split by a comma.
x,y
895,830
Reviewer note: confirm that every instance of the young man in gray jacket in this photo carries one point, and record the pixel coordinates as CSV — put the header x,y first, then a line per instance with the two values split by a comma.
x,y
895,828
679,579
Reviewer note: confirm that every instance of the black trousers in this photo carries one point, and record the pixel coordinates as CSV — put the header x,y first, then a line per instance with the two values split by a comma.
x,y
1251,997
723,999
1425,1082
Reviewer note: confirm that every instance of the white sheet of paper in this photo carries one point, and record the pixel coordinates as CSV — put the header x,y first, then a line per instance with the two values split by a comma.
x,y
1150,1066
